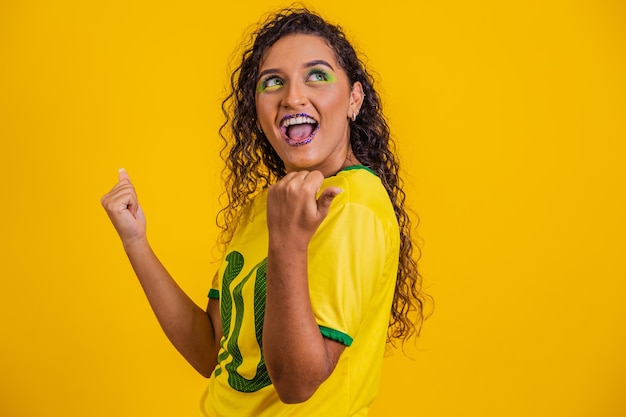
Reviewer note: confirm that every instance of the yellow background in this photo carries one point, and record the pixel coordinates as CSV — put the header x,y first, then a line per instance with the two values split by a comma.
x,y
510,122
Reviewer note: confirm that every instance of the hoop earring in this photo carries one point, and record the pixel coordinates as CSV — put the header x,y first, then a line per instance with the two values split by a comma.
x,y
354,115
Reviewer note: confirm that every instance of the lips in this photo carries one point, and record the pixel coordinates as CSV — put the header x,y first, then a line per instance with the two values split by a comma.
x,y
298,129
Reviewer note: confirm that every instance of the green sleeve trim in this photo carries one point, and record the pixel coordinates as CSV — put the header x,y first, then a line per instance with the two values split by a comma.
x,y
368,169
336,335
213,293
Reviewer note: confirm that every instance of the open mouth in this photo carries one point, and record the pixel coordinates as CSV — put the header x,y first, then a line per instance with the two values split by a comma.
x,y
298,129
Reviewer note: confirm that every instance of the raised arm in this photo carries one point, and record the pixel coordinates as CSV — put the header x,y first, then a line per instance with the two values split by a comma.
x,y
194,332
297,356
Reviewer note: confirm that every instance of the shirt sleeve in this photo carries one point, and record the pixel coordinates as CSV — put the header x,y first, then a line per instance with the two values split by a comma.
x,y
347,257
214,292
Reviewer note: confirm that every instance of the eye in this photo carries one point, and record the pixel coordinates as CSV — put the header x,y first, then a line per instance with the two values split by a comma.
x,y
318,75
270,83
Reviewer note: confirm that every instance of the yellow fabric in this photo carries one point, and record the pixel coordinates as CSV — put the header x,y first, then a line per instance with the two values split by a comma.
x,y
353,259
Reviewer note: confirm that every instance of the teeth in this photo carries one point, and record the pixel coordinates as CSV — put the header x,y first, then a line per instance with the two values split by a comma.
x,y
297,121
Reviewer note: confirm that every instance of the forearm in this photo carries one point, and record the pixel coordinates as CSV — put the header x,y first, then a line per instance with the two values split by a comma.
x,y
186,325
295,352
297,356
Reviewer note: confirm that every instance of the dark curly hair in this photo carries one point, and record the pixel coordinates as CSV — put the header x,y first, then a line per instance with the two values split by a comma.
x,y
252,164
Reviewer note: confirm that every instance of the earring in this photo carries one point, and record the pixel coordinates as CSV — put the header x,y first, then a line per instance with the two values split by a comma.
x,y
354,115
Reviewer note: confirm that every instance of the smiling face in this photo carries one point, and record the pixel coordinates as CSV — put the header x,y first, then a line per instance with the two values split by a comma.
x,y
304,101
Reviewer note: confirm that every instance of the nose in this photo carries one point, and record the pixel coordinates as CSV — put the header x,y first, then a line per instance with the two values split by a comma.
x,y
294,95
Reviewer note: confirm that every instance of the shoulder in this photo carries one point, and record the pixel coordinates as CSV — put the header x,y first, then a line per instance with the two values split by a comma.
x,y
362,187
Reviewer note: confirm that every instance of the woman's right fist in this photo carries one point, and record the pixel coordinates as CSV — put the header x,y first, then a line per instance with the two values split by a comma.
x,y
122,206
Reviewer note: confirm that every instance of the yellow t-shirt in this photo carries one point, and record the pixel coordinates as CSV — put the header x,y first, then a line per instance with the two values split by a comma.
x,y
352,267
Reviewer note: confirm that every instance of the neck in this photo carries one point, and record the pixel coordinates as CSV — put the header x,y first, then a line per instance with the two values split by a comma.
x,y
350,159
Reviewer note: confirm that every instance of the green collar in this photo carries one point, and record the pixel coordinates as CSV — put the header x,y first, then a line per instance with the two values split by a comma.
x,y
352,167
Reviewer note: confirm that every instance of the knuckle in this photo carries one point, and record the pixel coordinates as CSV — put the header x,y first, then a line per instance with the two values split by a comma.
x,y
310,187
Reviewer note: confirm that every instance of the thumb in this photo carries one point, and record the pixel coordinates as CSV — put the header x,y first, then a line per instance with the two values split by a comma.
x,y
132,205
326,198
123,175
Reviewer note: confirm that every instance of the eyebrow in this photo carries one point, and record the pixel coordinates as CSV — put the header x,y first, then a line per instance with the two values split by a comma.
x,y
317,62
306,65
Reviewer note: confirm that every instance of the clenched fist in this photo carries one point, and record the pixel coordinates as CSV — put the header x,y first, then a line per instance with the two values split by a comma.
x,y
123,208
293,211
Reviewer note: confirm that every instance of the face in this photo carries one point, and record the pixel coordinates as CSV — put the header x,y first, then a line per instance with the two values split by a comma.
x,y
304,101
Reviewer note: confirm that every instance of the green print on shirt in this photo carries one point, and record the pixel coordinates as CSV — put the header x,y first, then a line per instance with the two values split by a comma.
x,y
233,269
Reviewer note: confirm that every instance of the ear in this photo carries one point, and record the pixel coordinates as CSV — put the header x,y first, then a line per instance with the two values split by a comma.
x,y
356,99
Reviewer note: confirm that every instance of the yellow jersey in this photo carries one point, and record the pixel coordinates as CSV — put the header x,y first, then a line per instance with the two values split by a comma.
x,y
352,268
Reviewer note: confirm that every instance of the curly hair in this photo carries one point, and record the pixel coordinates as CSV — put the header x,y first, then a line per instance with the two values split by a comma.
x,y
252,164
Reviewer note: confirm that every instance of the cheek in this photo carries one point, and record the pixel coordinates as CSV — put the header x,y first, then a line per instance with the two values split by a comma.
x,y
262,114
335,109
265,106
338,102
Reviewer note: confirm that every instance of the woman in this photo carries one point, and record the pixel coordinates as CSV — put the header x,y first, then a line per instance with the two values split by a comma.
x,y
318,249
